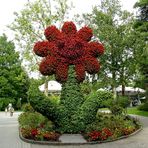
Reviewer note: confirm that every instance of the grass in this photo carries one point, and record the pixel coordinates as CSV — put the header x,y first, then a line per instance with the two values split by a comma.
x,y
132,110
135,111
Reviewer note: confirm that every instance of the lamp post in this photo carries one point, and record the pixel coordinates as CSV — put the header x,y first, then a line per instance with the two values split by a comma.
x,y
20,102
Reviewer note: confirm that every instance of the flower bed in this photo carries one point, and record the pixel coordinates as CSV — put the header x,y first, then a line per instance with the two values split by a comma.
x,y
106,128
36,127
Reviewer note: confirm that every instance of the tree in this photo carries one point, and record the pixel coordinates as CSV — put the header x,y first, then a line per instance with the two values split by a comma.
x,y
141,26
29,25
114,28
13,79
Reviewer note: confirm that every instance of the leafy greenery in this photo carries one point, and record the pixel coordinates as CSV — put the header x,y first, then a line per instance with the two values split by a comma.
x,y
32,120
27,107
35,126
141,26
143,107
73,112
14,81
5,101
42,103
118,106
108,126
135,111
71,101
114,28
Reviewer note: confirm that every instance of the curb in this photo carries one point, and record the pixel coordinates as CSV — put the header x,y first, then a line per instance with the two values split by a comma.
x,y
83,143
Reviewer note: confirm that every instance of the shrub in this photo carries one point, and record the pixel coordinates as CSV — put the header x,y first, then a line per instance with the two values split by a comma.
x,y
32,120
27,107
118,106
116,109
143,107
123,101
5,101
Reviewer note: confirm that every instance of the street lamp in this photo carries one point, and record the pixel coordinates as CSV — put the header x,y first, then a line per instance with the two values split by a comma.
x,y
20,102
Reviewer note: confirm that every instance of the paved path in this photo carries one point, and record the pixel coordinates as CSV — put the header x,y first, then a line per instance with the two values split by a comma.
x,y
9,136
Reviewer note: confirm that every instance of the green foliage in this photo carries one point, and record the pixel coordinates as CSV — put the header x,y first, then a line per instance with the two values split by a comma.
x,y
5,101
55,99
116,109
118,125
135,111
32,120
27,107
41,103
141,26
18,104
118,106
13,79
114,28
71,100
123,101
143,107
113,106
87,112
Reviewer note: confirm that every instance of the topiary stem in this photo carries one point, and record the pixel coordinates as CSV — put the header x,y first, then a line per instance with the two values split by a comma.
x,y
71,101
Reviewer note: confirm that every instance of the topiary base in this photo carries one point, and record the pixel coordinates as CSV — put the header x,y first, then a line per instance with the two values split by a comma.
x,y
72,142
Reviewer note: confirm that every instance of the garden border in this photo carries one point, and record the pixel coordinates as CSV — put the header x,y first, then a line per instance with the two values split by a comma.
x,y
83,143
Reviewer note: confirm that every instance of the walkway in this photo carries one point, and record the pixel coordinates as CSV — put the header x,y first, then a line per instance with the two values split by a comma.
x,y
9,136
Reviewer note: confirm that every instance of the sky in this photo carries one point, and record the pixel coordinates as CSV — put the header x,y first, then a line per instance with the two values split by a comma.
x,y
7,7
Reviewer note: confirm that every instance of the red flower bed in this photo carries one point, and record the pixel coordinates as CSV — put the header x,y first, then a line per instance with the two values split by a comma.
x,y
104,134
68,47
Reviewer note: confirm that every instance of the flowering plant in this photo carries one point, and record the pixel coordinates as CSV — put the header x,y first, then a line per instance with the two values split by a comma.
x,y
68,47
101,135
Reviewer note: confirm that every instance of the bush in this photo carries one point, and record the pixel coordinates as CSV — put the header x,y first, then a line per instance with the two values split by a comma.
x,y
4,103
116,109
143,107
32,120
117,106
123,101
27,107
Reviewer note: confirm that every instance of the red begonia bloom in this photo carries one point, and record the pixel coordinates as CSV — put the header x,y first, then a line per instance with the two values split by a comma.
x,y
68,47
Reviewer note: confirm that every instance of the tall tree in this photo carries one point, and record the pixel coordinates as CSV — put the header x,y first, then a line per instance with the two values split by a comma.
x,y
114,28
141,26
13,79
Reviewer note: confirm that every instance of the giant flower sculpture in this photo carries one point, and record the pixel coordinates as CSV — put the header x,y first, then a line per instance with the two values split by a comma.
x,y
68,47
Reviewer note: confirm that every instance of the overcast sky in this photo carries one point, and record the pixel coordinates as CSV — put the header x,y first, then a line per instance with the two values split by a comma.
x,y
7,7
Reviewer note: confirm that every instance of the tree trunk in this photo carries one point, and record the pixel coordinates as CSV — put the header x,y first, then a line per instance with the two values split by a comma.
x,y
123,89
113,85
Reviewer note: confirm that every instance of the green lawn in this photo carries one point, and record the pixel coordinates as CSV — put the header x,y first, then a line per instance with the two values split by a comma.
x,y
132,110
135,111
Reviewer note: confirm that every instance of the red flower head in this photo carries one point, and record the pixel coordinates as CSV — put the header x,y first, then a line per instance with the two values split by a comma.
x,y
69,28
85,33
68,47
34,132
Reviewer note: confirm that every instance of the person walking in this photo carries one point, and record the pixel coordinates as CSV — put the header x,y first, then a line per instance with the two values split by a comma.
x,y
11,111
6,110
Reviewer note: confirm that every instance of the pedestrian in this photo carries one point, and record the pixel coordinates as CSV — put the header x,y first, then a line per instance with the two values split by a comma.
x,y
6,110
11,111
